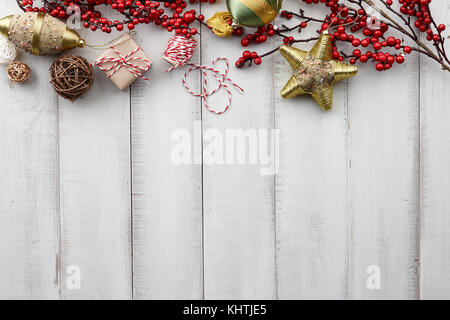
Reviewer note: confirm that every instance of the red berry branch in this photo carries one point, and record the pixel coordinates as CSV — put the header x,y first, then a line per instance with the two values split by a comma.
x,y
349,21
383,41
172,15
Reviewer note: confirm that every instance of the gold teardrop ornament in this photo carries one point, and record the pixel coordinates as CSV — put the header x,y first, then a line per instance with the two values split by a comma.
x,y
249,13
39,33
315,72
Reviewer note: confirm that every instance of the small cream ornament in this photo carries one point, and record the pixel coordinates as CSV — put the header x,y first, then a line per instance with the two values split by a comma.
x,y
8,52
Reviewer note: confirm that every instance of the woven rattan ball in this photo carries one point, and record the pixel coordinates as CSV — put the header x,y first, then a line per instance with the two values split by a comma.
x,y
19,72
71,76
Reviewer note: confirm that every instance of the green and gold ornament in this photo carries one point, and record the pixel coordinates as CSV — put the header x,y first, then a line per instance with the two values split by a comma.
x,y
39,33
249,13
315,72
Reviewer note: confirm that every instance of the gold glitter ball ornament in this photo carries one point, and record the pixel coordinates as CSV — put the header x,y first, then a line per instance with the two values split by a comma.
x,y
315,72
39,33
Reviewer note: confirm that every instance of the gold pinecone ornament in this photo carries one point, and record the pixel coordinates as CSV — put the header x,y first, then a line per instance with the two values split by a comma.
x,y
315,72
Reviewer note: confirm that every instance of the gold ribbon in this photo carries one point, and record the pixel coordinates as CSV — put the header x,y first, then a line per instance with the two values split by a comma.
x,y
36,41
219,24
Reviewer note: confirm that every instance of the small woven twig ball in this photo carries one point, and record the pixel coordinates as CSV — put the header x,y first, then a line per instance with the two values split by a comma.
x,y
71,76
19,72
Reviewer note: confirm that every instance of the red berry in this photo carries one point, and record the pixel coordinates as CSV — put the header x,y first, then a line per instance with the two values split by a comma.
x,y
335,55
407,49
257,60
188,17
380,67
365,43
400,59
391,41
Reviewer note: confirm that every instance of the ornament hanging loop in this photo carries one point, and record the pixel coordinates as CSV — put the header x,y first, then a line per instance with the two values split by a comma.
x,y
108,44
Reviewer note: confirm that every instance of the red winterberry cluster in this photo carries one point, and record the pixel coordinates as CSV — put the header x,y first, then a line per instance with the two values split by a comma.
x,y
179,18
260,36
380,38
250,57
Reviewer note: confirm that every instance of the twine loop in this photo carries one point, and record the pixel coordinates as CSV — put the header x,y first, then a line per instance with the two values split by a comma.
x,y
221,78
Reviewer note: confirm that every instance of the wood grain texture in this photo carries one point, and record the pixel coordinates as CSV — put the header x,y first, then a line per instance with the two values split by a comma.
x,y
384,181
29,213
95,188
311,191
94,183
167,194
239,225
435,159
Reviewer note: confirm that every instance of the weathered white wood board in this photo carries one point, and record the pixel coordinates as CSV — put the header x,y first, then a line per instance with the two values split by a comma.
x,y
239,221
99,184
384,181
435,175
29,213
311,190
167,192
95,188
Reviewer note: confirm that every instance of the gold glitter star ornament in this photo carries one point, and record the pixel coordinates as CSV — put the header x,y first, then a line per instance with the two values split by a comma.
x,y
315,72
39,33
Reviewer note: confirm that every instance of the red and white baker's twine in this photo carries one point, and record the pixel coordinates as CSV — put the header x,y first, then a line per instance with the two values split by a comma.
x,y
180,50
220,77
124,61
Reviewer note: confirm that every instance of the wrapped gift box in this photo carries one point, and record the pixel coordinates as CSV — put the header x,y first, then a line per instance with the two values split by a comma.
x,y
124,62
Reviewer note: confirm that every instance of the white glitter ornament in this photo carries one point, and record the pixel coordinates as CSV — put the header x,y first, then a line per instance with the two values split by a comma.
x,y
7,51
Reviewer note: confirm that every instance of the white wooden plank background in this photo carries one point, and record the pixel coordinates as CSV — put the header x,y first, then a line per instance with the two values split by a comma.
x,y
435,176
93,184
